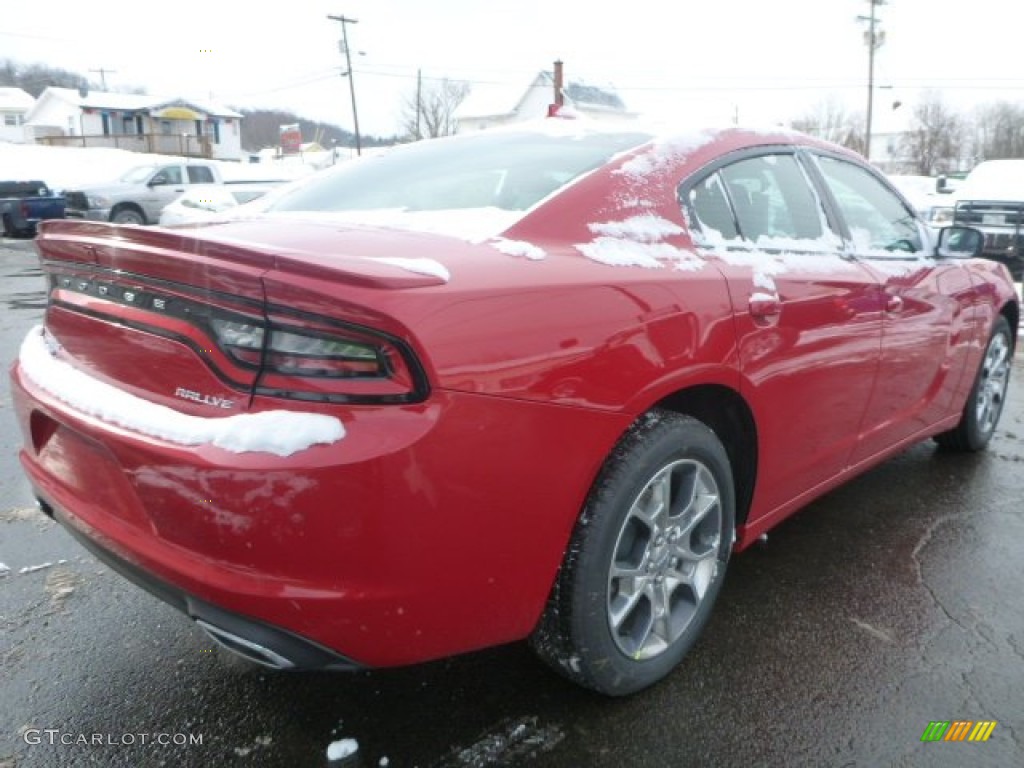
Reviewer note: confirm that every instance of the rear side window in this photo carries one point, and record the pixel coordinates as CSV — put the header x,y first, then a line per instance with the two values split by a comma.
x,y
773,199
766,200
200,174
711,207
878,221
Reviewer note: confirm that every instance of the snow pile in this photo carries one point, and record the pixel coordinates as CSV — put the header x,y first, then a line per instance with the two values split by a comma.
x,y
518,248
624,253
4,570
663,152
279,432
647,228
34,568
420,266
70,167
342,749
67,167
637,242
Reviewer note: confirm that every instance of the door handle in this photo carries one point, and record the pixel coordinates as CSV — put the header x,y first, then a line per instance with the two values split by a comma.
x,y
764,306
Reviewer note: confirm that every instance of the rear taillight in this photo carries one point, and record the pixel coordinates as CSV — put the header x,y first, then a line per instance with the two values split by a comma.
x,y
329,361
286,353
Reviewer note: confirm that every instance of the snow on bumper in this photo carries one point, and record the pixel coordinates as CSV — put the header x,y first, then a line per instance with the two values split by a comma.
x,y
278,432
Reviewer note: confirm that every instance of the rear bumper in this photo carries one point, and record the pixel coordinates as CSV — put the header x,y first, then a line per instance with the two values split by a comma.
x,y
429,530
258,641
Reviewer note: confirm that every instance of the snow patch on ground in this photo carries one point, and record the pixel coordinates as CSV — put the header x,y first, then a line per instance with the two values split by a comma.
x,y
4,570
420,266
511,742
34,568
279,432
518,248
341,749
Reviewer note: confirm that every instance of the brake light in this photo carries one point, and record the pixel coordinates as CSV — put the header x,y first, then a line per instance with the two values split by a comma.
x,y
295,353
321,363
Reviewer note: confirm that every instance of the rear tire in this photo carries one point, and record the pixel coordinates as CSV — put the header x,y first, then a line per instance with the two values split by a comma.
x,y
988,394
646,560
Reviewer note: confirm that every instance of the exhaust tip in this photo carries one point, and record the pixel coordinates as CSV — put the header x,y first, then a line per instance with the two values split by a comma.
x,y
246,648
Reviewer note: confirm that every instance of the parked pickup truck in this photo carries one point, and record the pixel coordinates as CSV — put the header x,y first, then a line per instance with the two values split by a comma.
x,y
991,199
141,193
23,204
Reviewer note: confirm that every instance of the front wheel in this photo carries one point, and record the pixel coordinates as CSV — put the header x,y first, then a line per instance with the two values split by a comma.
x,y
646,560
128,216
988,394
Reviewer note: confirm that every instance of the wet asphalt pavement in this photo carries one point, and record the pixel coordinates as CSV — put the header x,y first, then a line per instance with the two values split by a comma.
x,y
890,603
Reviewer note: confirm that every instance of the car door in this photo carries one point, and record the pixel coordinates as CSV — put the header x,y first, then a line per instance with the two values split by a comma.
x,y
807,317
927,327
166,186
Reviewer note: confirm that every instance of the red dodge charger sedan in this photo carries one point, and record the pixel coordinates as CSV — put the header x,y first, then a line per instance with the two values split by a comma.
x,y
534,383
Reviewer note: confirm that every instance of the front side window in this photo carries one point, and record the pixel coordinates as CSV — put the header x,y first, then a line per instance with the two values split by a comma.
x,y
879,223
171,174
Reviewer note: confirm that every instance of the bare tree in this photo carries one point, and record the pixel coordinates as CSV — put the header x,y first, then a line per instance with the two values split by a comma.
x,y
429,111
830,121
935,141
999,131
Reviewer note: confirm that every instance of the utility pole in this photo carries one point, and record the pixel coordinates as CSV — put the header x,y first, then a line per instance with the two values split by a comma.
x,y
345,21
103,75
874,39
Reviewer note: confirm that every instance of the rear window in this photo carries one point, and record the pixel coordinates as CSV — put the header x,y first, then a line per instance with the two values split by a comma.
x,y
509,171
23,189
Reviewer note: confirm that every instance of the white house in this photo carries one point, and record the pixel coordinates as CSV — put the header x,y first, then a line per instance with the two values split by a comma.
x,y
14,105
890,128
189,127
492,104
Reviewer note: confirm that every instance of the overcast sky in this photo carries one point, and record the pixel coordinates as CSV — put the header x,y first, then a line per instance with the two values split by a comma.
x,y
768,61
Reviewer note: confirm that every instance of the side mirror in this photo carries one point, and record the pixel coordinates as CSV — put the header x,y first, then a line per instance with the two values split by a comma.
x,y
157,181
959,243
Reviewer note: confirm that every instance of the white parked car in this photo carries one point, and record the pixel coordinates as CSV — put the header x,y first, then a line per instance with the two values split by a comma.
x,y
209,202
